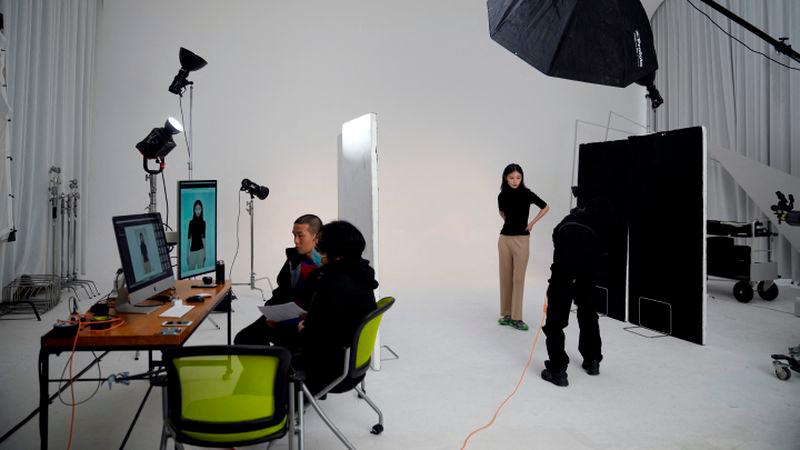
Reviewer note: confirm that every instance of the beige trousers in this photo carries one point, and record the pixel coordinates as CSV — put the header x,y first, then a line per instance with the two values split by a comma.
x,y
514,251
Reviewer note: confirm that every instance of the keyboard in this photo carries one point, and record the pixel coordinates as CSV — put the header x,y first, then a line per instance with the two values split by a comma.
x,y
176,311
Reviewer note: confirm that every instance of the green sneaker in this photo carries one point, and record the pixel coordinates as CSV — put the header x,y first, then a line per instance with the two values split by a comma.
x,y
505,320
519,325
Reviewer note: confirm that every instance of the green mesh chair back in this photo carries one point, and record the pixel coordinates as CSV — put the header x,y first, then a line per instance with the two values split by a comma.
x,y
227,395
364,341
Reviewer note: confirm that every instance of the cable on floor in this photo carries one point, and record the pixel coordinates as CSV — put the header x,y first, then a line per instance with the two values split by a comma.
x,y
519,382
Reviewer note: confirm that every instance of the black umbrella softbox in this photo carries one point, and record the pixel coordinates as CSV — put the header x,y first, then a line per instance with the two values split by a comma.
x,y
606,42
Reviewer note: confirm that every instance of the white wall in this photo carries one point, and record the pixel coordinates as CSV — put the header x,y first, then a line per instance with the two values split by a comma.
x,y
453,109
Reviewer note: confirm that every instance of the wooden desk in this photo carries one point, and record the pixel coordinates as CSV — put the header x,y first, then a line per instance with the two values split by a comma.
x,y
139,332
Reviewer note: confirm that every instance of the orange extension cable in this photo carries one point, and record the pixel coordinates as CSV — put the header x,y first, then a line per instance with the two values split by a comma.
x,y
519,382
83,326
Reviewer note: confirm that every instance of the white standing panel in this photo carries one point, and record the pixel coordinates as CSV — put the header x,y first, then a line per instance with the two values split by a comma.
x,y
358,183
358,189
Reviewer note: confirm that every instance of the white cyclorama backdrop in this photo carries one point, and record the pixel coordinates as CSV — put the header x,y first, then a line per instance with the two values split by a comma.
x,y
282,77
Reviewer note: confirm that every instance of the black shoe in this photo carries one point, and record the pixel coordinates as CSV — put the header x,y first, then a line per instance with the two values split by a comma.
x,y
591,367
557,378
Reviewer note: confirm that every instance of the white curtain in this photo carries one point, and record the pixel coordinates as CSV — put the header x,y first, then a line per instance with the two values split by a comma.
x,y
50,68
6,203
749,104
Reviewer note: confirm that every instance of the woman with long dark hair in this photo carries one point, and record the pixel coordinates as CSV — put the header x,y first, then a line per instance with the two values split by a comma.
x,y
514,203
197,237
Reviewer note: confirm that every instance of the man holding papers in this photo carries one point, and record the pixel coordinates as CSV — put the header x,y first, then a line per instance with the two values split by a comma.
x,y
292,297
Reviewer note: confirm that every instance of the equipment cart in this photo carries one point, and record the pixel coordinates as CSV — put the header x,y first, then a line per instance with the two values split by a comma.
x,y
736,262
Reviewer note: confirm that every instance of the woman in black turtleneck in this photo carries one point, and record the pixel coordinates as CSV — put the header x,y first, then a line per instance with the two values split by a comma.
x,y
514,203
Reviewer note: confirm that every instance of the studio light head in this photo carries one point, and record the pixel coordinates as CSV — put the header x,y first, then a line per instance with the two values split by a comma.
x,y
648,81
254,190
189,63
158,143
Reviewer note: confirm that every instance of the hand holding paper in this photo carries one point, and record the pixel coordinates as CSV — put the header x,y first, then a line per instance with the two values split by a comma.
x,y
283,312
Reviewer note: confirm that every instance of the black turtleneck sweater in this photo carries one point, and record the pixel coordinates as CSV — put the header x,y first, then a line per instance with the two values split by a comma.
x,y
516,206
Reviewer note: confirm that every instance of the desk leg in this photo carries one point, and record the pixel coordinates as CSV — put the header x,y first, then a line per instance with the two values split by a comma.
x,y
44,394
230,308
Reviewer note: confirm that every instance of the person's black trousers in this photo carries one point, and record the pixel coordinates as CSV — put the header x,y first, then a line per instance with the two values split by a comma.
x,y
259,333
572,277
589,342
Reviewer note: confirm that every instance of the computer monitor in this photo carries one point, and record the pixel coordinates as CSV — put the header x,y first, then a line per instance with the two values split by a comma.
x,y
197,227
145,260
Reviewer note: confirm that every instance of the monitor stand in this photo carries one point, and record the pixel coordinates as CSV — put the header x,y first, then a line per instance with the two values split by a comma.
x,y
123,304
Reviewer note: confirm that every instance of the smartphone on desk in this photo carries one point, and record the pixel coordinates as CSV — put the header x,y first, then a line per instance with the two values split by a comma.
x,y
171,331
176,323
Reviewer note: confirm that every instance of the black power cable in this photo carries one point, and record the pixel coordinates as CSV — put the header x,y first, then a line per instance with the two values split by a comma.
x,y
236,253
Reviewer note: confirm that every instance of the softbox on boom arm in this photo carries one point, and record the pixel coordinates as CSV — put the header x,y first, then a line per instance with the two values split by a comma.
x,y
607,42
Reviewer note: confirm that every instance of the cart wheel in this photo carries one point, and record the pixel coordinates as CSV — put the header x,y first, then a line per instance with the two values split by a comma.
x,y
768,294
783,373
743,291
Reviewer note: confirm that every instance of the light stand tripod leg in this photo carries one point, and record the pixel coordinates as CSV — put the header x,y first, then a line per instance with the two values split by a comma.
x,y
213,322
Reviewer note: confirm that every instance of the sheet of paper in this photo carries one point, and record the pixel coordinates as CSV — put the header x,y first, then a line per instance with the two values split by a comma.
x,y
282,312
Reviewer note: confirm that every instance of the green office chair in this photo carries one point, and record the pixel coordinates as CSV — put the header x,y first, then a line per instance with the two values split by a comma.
x,y
224,396
356,364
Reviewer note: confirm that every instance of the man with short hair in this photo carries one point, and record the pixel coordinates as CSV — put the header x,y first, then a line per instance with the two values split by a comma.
x,y
294,285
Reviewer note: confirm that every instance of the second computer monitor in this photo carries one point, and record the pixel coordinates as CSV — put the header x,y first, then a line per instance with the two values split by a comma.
x,y
197,227
145,259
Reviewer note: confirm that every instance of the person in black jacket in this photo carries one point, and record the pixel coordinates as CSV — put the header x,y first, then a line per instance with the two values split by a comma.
x,y
578,246
344,296
294,285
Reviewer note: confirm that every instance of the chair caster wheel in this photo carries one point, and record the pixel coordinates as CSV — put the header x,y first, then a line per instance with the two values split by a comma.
x,y
783,373
377,429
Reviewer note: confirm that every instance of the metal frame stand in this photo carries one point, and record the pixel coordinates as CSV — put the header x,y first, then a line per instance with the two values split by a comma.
x,y
72,274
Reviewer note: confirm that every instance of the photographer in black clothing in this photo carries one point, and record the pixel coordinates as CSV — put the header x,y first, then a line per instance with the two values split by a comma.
x,y
344,295
577,249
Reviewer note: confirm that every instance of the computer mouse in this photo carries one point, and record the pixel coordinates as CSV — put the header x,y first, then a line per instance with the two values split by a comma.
x,y
195,298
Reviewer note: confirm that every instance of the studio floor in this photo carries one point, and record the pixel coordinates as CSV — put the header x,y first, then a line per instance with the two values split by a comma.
x,y
456,365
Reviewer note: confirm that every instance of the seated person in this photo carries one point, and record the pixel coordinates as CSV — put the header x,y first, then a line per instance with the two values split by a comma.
x,y
294,285
344,295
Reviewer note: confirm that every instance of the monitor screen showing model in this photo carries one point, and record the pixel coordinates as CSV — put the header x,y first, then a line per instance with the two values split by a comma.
x,y
144,255
197,223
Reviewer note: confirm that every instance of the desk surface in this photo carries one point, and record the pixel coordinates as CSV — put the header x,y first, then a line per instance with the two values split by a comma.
x,y
143,331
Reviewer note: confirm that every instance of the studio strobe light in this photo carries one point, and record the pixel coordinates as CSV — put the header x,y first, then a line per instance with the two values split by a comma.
x,y
254,190
189,63
158,143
